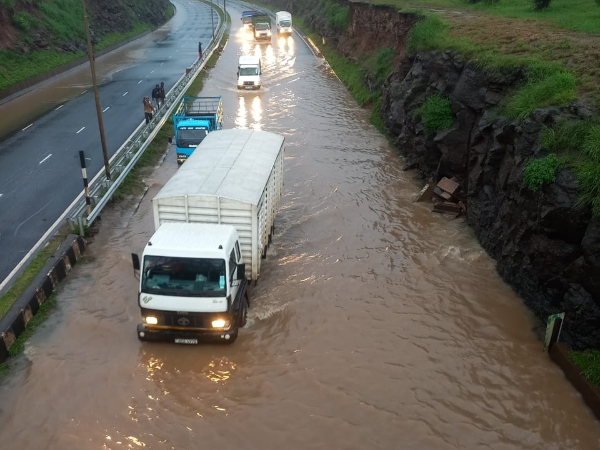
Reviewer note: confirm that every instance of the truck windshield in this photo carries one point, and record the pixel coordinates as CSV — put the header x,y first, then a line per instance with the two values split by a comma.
x,y
248,71
190,136
261,26
285,23
184,277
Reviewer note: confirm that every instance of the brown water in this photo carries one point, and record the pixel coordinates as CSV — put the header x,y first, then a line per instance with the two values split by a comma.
x,y
375,324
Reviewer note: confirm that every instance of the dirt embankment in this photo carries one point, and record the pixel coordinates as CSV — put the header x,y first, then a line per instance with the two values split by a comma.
x,y
545,247
24,27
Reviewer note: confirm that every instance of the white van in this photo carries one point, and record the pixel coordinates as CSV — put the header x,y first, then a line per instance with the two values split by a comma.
x,y
248,74
283,19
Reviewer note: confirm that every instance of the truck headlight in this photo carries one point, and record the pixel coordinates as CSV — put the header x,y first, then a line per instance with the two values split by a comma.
x,y
151,320
220,323
268,33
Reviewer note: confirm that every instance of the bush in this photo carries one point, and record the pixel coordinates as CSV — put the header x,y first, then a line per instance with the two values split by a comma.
x,y
338,17
22,21
539,5
436,113
542,171
384,66
427,33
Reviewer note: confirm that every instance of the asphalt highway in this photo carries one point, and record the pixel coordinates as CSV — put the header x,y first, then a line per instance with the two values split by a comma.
x,y
40,173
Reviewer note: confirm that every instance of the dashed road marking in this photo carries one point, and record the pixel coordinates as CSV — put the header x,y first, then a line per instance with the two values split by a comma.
x,y
56,109
152,71
30,125
106,109
140,81
83,92
45,158
125,94
82,128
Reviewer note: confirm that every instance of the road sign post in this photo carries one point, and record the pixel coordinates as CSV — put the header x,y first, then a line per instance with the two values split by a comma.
x,y
553,328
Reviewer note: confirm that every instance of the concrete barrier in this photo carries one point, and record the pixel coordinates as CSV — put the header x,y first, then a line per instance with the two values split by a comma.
x,y
559,353
15,321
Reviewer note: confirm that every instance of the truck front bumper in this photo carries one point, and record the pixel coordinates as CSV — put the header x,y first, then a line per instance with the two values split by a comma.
x,y
191,336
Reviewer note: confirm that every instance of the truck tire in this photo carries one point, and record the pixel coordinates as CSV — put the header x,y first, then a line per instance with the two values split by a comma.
x,y
244,313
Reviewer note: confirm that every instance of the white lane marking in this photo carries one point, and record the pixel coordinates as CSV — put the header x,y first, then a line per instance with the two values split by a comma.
x,y
161,63
45,158
56,109
1,195
125,94
82,128
140,81
106,109
170,56
152,71
83,92
30,125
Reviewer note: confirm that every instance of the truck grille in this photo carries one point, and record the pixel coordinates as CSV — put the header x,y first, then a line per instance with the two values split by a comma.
x,y
189,320
248,83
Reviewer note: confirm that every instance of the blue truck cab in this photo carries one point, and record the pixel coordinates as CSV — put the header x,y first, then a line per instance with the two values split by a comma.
x,y
194,119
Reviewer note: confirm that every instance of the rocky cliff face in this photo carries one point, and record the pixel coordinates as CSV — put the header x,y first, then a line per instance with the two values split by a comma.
x,y
545,247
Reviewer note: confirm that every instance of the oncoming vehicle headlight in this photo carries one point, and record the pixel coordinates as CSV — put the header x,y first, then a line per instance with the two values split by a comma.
x,y
151,320
268,33
219,323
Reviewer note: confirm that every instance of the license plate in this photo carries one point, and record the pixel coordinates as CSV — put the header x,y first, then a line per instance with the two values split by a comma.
x,y
249,87
186,341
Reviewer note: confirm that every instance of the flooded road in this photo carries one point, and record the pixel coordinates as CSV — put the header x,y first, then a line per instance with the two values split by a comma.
x,y
375,324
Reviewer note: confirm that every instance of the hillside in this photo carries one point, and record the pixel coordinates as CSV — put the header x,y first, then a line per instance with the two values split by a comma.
x,y
40,35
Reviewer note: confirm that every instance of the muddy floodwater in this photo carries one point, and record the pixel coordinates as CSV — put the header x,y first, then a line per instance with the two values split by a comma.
x,y
374,325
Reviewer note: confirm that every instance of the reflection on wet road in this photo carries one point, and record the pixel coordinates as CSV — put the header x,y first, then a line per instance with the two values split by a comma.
x,y
375,325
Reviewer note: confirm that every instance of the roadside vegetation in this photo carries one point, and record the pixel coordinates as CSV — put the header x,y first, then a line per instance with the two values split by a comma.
x,y
589,363
60,23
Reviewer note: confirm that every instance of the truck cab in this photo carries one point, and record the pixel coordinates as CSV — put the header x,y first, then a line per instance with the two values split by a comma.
x,y
283,20
248,73
192,284
247,18
262,30
194,119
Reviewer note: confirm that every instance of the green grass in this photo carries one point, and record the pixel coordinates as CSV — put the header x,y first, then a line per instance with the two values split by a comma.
x,y
566,138
25,279
589,363
542,171
580,15
436,113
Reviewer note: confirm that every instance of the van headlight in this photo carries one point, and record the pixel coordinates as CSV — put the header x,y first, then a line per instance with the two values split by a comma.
x,y
220,323
151,320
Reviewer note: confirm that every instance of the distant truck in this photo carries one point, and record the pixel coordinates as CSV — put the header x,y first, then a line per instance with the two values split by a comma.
x,y
247,18
248,73
194,119
283,21
214,221
262,30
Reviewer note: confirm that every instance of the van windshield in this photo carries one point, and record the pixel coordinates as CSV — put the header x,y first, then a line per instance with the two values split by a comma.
x,y
248,71
184,277
285,23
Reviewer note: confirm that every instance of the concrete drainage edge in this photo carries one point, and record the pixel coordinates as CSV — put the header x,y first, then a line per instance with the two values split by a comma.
x,y
15,321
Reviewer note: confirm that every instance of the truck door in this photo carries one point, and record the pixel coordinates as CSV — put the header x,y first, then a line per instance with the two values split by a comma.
x,y
233,282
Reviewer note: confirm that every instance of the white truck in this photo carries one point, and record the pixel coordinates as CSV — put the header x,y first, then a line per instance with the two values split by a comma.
x,y
214,221
283,20
248,73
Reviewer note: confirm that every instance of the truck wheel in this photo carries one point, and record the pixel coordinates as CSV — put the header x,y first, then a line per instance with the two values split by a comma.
x,y
233,337
244,314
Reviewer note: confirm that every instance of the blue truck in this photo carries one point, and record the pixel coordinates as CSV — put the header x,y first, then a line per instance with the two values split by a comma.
x,y
194,119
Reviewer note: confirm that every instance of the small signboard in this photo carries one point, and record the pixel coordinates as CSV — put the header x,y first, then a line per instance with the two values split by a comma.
x,y
552,334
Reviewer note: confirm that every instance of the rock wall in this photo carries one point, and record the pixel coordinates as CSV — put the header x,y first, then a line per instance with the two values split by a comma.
x,y
546,248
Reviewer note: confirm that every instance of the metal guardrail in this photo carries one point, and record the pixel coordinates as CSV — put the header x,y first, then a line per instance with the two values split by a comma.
x,y
101,189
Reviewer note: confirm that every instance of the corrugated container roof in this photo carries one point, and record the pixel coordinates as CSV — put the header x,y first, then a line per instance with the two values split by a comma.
x,y
233,164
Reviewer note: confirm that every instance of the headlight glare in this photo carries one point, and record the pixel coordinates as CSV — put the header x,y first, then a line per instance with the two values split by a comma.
x,y
219,323
151,320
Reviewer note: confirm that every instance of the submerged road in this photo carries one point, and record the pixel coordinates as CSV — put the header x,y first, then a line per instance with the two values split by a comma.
x,y
375,324
40,173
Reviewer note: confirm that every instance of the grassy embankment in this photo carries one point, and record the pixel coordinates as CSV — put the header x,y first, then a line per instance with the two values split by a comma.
x,y
132,185
561,67
63,19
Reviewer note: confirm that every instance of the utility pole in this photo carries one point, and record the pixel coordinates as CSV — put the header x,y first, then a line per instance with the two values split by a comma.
x,y
212,18
98,107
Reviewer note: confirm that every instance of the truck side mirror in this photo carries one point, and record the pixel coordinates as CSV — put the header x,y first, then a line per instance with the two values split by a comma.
x,y
135,259
170,140
241,271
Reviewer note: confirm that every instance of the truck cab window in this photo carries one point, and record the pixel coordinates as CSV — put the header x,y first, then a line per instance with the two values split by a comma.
x,y
237,251
232,264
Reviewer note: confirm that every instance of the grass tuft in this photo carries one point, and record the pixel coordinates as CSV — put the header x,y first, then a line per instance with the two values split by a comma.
x,y
589,363
542,171
436,113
